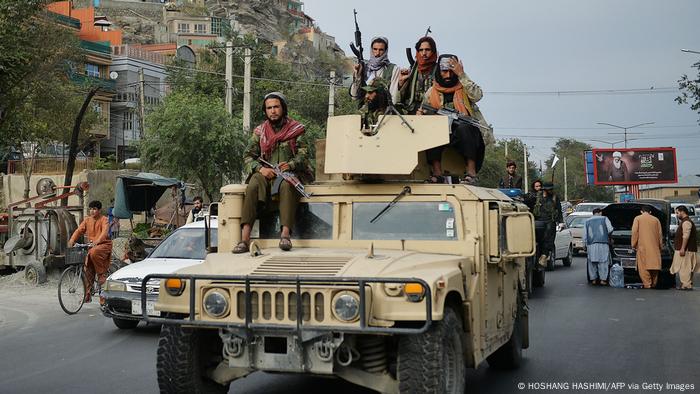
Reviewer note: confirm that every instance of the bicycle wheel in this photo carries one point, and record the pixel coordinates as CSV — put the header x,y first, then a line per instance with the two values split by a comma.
x,y
71,290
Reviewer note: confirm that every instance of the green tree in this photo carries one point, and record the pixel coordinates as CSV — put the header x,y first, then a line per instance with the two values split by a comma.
x,y
578,189
38,101
690,90
494,166
191,136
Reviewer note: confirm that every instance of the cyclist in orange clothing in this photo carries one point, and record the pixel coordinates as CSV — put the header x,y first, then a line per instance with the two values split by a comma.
x,y
96,228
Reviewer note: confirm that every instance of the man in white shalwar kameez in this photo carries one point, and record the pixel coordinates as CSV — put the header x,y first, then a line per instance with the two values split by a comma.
x,y
596,233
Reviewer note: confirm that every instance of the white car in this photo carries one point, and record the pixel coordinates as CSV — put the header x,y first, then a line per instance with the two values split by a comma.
x,y
588,207
121,297
563,247
575,224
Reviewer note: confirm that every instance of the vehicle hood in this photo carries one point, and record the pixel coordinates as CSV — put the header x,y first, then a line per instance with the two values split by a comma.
x,y
622,215
137,271
318,262
576,232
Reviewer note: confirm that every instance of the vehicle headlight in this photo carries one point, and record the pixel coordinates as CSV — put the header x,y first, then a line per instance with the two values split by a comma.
x,y
216,303
113,285
346,306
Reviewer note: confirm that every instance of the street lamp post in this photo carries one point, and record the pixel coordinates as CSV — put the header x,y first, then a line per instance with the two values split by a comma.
x,y
612,143
625,128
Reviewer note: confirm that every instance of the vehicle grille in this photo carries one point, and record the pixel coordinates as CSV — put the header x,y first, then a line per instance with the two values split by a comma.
x,y
281,305
624,252
302,265
152,286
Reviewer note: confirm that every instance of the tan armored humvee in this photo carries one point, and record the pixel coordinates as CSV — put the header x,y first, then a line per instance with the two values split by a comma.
x,y
392,284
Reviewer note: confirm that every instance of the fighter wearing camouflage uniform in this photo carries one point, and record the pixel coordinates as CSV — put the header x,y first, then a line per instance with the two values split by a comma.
x,y
547,210
414,85
376,103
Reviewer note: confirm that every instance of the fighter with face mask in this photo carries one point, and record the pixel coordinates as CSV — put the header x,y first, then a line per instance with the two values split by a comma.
x,y
452,88
378,66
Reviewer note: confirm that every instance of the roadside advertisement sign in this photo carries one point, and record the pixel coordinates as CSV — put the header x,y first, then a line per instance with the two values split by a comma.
x,y
634,166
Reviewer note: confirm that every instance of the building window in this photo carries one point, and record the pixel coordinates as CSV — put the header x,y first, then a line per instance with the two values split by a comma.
x,y
128,120
200,28
183,27
675,193
92,70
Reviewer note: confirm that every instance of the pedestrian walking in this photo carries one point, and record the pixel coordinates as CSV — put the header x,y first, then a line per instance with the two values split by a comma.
x,y
686,247
647,240
596,237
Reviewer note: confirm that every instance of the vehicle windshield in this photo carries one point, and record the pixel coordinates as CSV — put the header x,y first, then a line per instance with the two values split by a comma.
x,y
587,207
576,221
314,220
415,220
184,243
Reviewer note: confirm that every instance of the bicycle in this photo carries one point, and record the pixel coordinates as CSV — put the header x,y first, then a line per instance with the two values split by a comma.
x,y
71,285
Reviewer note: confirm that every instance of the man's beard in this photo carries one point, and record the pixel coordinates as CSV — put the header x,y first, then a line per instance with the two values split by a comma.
x,y
277,122
373,105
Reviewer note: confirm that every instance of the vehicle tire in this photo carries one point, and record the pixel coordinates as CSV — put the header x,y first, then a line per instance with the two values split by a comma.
x,y
433,362
71,290
510,355
538,277
551,260
35,273
184,356
569,257
125,324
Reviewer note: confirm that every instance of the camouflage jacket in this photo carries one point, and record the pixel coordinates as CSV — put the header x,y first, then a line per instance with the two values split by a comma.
x,y
369,118
412,92
281,153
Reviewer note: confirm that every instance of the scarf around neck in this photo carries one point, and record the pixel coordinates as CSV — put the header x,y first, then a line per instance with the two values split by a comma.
x,y
460,99
291,129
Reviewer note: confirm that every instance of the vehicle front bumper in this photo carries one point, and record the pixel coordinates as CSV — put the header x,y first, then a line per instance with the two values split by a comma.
x,y
123,304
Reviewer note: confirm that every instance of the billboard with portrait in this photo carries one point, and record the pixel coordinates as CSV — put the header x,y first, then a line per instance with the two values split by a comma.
x,y
634,166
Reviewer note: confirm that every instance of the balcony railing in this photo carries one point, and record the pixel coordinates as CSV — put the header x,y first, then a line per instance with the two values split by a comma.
x,y
49,165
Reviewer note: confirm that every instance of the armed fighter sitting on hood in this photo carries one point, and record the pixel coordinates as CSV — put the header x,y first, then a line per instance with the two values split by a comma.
x,y
275,141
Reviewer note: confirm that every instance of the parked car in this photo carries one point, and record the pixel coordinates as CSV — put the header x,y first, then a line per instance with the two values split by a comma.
x,y
575,224
121,298
673,226
563,247
622,216
690,206
589,206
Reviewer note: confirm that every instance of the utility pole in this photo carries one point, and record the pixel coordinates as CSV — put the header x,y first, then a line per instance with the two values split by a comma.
x,y
229,77
246,90
506,149
566,185
525,182
625,128
331,95
142,103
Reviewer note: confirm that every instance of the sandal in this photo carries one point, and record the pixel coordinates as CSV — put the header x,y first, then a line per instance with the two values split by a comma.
x,y
285,244
435,179
242,247
469,180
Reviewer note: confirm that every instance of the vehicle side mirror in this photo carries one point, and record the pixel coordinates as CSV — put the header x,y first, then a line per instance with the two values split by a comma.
x,y
519,234
561,226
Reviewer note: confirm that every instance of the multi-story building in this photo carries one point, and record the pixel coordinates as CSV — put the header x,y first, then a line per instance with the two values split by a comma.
x,y
129,61
96,38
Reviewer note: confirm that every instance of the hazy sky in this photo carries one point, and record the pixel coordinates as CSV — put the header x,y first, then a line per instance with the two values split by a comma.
x,y
542,46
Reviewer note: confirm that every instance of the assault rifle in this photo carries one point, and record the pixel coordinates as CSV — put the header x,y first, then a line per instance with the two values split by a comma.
x,y
356,48
286,176
453,116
